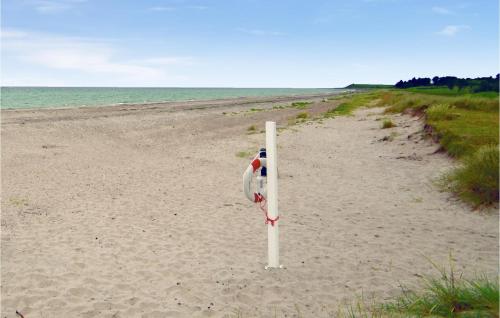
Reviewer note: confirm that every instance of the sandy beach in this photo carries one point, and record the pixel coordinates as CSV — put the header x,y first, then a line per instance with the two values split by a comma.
x,y
138,211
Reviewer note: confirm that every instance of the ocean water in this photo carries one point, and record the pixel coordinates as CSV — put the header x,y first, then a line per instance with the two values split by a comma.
x,y
45,97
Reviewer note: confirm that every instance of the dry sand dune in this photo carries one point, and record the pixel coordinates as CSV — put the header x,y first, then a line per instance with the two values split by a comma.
x,y
130,213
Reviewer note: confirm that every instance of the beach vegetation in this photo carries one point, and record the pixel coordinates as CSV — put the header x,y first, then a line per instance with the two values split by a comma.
x,y
256,109
463,124
441,112
387,123
246,154
476,181
303,115
252,128
445,91
301,105
355,101
449,294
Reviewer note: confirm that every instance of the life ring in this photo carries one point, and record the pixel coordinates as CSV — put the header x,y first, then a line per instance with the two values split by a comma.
x,y
256,164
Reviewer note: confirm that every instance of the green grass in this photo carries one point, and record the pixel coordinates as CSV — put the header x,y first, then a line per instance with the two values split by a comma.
x,y
353,102
462,123
449,295
467,132
445,91
467,128
441,112
256,109
387,123
477,180
301,105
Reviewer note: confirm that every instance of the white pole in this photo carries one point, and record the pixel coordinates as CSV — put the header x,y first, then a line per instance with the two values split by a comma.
x,y
272,196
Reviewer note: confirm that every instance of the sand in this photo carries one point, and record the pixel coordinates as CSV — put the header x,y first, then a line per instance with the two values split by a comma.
x,y
138,211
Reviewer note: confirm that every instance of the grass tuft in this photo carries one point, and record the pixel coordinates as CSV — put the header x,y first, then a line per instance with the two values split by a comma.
x,y
441,112
448,296
388,124
301,105
303,115
245,154
477,180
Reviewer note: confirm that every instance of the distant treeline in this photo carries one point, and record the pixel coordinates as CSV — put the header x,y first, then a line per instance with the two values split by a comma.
x,y
479,84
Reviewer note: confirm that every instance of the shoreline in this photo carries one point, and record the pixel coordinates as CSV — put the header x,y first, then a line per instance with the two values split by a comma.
x,y
45,114
165,103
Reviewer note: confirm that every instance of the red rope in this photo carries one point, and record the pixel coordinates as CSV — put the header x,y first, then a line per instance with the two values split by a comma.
x,y
262,202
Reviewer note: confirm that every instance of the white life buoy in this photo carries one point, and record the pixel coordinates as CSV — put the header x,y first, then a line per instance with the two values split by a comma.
x,y
256,164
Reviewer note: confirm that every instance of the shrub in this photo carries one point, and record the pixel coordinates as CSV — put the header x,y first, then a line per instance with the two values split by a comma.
x,y
388,124
252,128
477,180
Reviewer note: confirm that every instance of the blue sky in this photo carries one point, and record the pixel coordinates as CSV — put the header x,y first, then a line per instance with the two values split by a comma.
x,y
247,43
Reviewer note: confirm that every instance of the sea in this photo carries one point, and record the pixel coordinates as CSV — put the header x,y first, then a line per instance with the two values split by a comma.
x,y
65,97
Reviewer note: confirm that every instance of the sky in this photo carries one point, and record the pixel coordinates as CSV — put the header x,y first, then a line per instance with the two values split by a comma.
x,y
244,43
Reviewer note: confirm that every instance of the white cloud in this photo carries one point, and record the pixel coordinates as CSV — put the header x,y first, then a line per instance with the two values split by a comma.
x,y
197,7
83,56
54,6
8,34
171,8
452,30
260,32
442,10
167,60
161,9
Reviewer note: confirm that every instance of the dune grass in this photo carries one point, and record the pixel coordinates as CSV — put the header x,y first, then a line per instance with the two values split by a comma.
x,y
476,181
353,102
445,91
448,295
466,126
467,129
441,112
461,124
